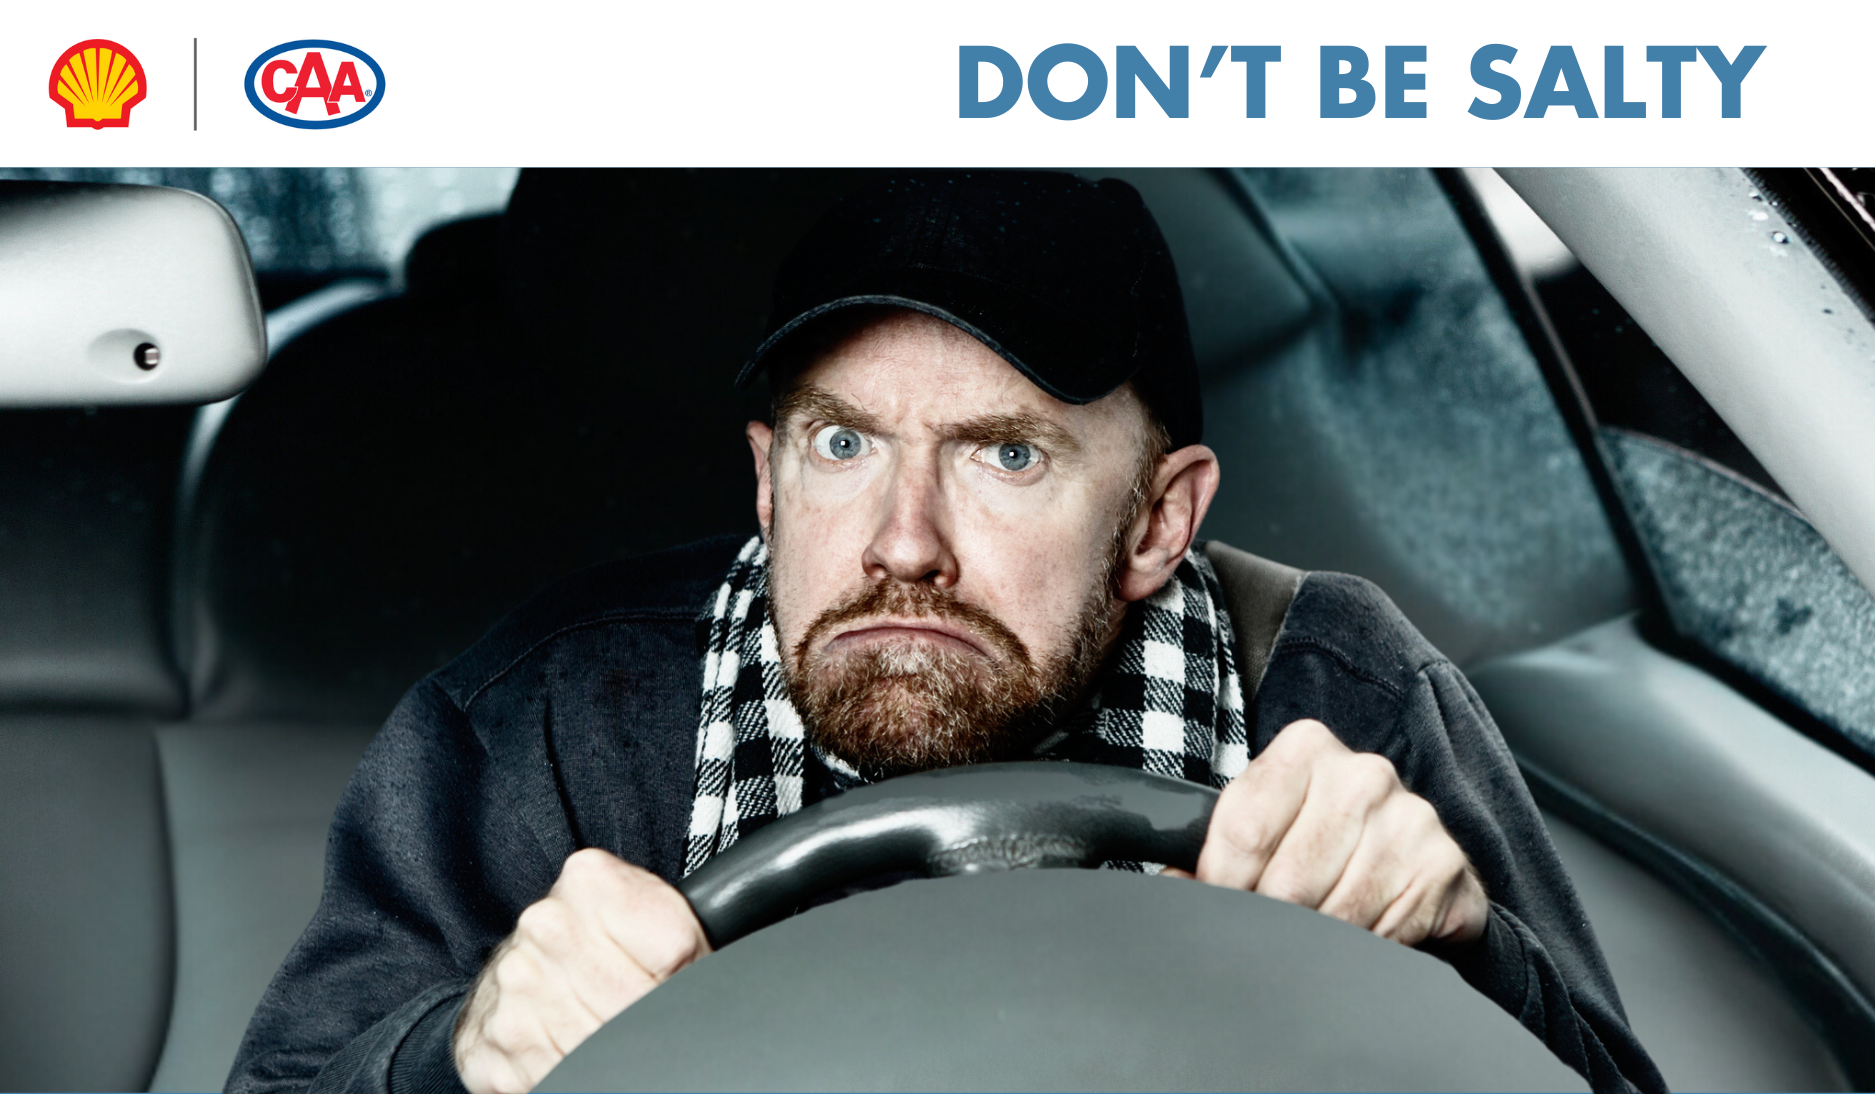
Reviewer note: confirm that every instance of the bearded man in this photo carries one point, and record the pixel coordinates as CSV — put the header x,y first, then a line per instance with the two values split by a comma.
x,y
979,499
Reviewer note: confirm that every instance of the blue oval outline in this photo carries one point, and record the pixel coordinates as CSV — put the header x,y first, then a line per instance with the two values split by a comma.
x,y
308,43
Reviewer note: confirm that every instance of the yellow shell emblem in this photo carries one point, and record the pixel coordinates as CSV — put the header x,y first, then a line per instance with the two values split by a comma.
x,y
97,82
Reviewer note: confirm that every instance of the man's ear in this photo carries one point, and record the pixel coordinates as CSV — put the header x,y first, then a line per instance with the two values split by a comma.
x,y
1182,490
761,436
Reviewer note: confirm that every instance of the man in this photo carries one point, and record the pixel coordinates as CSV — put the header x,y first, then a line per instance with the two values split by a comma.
x,y
978,500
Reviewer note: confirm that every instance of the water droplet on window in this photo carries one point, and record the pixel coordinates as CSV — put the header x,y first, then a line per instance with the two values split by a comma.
x,y
1780,237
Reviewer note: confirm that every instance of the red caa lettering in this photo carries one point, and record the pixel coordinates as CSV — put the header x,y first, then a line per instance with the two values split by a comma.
x,y
267,87
346,83
314,64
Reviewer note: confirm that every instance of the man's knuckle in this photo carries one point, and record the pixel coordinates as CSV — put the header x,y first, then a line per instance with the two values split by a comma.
x,y
1373,772
1283,885
1420,814
1248,835
1239,793
664,954
668,902
1417,927
1287,741
670,940
1370,894
588,867
656,901
1264,768
536,916
549,925
518,975
1423,902
509,1030
1345,900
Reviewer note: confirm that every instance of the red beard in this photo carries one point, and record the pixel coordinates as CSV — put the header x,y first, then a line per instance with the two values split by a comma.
x,y
891,709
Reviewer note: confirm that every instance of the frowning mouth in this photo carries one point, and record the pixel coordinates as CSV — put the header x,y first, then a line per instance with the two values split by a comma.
x,y
934,632
909,618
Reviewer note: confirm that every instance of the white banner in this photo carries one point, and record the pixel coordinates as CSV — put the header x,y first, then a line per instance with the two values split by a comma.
x,y
851,83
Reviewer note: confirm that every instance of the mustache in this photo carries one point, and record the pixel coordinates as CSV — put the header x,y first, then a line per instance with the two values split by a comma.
x,y
919,601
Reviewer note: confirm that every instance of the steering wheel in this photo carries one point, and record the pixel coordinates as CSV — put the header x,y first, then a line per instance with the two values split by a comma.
x,y
995,975
961,820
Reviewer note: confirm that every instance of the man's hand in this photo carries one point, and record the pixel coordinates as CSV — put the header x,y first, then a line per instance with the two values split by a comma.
x,y
605,935
1315,824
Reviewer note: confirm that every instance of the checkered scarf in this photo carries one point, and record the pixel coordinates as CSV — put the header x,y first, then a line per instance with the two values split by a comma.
x,y
1171,702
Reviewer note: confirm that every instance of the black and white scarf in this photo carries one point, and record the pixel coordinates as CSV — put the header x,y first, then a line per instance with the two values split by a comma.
x,y
1171,702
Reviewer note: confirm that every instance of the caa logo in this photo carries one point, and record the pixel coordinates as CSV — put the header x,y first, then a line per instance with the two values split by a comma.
x,y
315,84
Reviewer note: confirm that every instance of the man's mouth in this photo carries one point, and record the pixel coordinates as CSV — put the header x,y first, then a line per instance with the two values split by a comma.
x,y
933,632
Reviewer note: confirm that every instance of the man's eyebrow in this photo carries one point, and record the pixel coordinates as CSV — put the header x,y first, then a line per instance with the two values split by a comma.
x,y
1023,426
813,402
809,401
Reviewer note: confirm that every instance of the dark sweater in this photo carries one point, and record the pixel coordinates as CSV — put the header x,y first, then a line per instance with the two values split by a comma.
x,y
573,724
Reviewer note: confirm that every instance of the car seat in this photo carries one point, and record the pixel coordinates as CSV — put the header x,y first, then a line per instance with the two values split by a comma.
x,y
86,673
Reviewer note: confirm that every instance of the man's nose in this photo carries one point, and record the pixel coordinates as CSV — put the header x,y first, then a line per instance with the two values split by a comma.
x,y
912,540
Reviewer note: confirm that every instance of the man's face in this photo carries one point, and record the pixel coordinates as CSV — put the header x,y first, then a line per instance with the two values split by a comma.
x,y
943,538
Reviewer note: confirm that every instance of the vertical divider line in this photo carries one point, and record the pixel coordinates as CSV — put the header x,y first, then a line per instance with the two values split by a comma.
x,y
195,84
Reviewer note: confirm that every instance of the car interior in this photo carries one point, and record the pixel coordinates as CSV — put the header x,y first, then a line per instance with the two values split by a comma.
x,y
206,612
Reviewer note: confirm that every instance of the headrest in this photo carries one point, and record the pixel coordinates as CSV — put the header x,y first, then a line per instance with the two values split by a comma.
x,y
405,474
656,281
453,258
86,499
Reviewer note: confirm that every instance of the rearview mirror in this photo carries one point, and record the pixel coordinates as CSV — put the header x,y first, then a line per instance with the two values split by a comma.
x,y
123,294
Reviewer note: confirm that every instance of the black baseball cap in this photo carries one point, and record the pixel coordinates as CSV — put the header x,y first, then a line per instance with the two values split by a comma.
x,y
1068,279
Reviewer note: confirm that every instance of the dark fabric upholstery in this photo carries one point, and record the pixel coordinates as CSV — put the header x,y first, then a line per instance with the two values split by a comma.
x,y
552,390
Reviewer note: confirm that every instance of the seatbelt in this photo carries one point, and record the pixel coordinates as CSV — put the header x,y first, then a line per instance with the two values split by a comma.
x,y
1257,594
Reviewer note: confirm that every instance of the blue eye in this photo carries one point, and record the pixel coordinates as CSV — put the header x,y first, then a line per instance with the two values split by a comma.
x,y
837,442
1015,457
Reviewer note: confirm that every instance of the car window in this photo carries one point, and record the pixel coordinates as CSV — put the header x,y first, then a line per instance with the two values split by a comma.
x,y
1832,209
1402,431
1746,576
1743,578
309,227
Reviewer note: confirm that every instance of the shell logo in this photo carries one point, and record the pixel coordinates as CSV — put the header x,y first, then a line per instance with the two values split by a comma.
x,y
97,82
315,84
